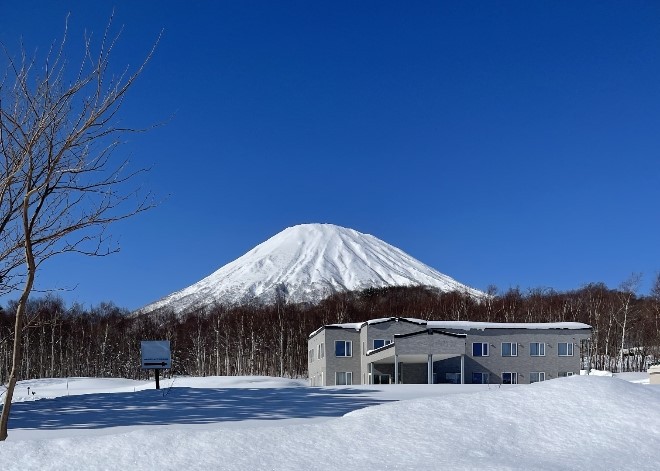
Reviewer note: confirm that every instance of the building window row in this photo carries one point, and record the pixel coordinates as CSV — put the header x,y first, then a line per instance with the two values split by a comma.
x,y
344,348
510,349
511,377
345,378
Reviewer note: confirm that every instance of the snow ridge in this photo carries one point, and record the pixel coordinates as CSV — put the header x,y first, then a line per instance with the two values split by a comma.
x,y
307,263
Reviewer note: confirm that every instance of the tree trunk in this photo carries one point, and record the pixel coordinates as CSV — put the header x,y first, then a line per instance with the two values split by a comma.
x,y
18,327
52,348
623,338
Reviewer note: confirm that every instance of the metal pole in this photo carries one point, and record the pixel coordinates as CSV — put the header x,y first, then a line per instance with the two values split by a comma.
x,y
156,371
429,369
396,369
462,369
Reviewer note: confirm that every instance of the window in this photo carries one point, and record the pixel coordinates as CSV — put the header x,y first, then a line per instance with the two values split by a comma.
x,y
536,376
480,378
537,349
564,374
452,378
509,349
343,348
311,356
381,343
565,349
509,378
480,349
381,379
320,351
344,378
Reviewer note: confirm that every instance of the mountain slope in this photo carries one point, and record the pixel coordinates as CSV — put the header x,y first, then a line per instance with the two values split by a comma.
x,y
307,263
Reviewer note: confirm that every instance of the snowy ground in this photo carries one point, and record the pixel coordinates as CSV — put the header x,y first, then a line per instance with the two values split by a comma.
x,y
250,423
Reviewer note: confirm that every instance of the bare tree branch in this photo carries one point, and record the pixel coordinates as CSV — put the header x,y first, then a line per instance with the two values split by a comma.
x,y
61,185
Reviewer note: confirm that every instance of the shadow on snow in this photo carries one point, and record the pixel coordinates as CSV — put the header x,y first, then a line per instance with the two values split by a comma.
x,y
185,406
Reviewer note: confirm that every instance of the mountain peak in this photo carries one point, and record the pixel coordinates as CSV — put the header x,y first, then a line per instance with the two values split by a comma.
x,y
308,262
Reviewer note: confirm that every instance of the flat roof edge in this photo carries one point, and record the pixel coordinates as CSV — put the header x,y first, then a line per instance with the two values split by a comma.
x,y
430,331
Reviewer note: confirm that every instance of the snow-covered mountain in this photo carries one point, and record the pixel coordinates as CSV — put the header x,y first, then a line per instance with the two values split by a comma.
x,y
306,263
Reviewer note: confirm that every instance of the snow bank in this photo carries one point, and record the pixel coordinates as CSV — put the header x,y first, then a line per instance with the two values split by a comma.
x,y
570,423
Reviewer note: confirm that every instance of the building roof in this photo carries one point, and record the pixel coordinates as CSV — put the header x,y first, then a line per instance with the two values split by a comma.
x,y
465,325
460,325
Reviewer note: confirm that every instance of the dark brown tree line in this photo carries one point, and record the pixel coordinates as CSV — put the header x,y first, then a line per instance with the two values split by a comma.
x,y
104,341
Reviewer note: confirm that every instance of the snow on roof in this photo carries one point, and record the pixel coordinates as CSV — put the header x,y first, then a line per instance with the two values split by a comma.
x,y
465,325
358,325
405,319
462,325
351,325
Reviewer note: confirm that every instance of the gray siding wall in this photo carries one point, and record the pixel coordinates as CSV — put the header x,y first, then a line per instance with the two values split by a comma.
x,y
364,376
316,367
385,331
430,344
495,364
334,363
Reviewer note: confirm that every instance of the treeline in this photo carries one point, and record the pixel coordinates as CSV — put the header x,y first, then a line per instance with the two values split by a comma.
x,y
104,341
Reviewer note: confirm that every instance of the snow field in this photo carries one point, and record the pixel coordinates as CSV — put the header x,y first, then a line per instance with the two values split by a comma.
x,y
571,423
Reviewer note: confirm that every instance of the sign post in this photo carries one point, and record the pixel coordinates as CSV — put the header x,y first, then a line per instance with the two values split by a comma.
x,y
156,355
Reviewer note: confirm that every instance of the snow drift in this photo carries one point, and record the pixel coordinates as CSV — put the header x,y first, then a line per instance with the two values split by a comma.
x,y
570,423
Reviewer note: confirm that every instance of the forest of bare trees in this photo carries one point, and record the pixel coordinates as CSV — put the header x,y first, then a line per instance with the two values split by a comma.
x,y
104,341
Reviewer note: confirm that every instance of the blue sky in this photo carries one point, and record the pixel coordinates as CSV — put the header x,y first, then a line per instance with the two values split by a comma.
x,y
505,143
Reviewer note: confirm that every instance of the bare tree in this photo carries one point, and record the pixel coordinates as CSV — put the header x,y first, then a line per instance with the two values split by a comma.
x,y
61,183
626,294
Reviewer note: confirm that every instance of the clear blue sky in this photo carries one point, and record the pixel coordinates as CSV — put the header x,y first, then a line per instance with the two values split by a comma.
x,y
506,143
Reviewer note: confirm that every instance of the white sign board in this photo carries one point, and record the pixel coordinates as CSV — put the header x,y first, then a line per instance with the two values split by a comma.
x,y
156,354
